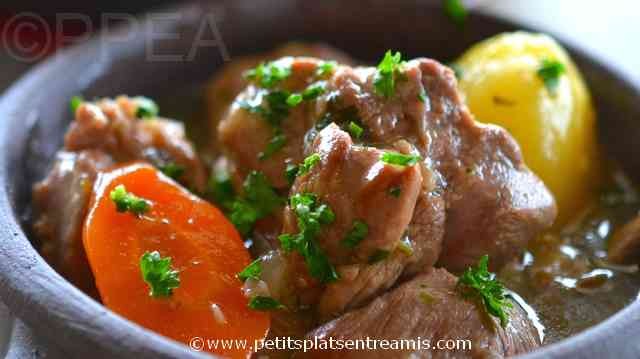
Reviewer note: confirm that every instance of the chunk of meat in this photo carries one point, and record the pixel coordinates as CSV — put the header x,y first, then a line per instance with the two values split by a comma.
x,y
493,203
244,135
103,134
429,308
112,127
229,81
624,245
61,202
356,185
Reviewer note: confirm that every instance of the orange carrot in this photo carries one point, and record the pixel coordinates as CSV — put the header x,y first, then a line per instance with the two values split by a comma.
x,y
205,250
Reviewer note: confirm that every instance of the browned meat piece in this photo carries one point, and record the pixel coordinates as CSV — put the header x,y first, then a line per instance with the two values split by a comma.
x,y
244,135
61,202
624,245
104,133
476,190
429,308
493,203
229,81
112,127
356,185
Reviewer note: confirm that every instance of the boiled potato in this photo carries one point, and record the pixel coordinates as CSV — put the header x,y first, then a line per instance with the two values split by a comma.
x,y
554,123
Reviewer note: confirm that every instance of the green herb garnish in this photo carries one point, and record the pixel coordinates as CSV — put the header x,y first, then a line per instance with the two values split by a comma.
x,y
308,164
75,102
128,202
220,189
312,92
395,191
147,108
358,232
171,169
422,96
290,172
275,144
311,215
253,270
355,130
550,72
385,81
326,68
268,75
157,273
405,246
294,99
399,159
378,256
480,284
259,201
263,303
456,11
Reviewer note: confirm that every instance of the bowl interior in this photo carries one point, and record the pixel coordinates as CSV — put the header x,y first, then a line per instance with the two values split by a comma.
x,y
37,107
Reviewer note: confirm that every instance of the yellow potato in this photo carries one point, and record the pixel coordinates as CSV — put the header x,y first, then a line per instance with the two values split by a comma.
x,y
555,128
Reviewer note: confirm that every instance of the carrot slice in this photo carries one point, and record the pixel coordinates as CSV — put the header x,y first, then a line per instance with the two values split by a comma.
x,y
204,247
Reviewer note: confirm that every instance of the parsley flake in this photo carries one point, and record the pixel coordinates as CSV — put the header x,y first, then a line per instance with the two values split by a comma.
x,y
128,202
220,189
456,11
290,172
259,201
395,191
550,72
378,256
326,68
253,270
480,284
388,68
268,75
171,169
275,144
399,159
147,108
157,273
311,215
358,232
355,130
75,102
264,303
308,164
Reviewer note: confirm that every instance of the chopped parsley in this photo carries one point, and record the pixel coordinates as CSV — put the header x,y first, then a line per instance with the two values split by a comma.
x,y
399,159
75,102
259,201
422,96
294,99
550,72
311,215
326,68
275,144
358,232
313,91
268,75
388,68
220,189
171,169
147,108
264,303
355,130
253,270
395,191
480,284
308,164
378,256
290,172
456,11
128,202
277,108
158,274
